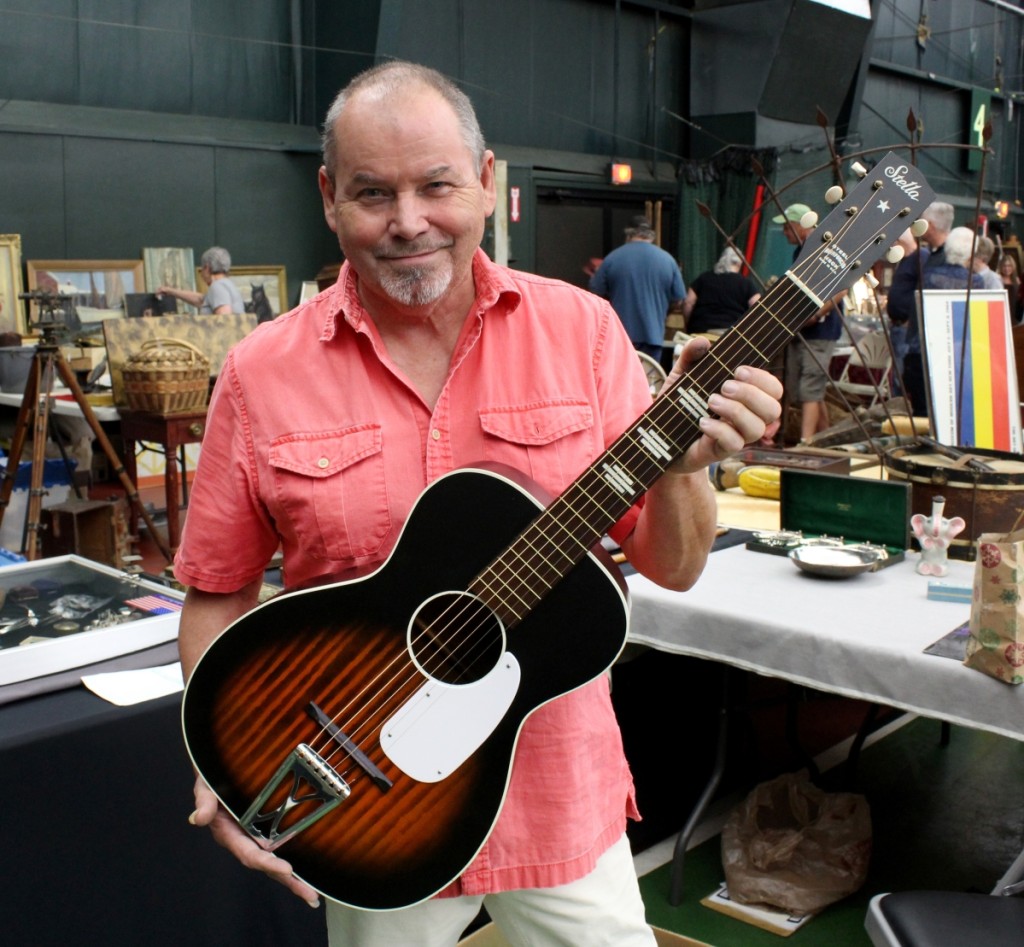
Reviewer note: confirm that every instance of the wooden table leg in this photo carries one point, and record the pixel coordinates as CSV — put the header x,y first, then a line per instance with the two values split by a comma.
x,y
171,487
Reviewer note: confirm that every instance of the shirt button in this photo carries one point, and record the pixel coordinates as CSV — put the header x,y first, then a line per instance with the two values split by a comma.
x,y
435,434
323,462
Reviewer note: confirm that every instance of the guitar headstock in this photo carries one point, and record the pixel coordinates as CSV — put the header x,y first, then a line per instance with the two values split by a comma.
x,y
862,227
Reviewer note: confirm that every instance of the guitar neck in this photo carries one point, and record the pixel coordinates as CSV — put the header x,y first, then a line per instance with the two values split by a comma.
x,y
834,256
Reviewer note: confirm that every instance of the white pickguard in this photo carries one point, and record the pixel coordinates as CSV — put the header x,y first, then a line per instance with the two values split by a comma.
x,y
441,725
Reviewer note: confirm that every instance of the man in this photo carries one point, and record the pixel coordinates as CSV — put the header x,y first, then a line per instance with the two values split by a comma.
x,y
808,355
642,282
901,305
329,421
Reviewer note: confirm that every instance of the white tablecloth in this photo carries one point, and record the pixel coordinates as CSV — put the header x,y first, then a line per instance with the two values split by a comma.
x,y
862,637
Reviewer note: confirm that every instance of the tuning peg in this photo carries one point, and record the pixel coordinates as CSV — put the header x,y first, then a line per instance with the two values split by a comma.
x,y
919,228
859,169
895,254
809,220
834,194
870,279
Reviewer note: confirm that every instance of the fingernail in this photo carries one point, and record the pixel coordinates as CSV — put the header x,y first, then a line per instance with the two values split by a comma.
x,y
313,902
192,818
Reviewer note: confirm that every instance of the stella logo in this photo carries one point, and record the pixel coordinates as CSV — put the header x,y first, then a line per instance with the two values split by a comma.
x,y
898,176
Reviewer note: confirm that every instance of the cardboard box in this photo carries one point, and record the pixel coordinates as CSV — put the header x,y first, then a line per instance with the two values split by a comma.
x,y
490,936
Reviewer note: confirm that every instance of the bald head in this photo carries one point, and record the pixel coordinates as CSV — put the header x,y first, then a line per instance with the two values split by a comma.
x,y
391,80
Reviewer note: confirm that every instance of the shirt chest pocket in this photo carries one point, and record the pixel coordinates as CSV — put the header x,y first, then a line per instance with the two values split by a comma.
x,y
331,489
552,441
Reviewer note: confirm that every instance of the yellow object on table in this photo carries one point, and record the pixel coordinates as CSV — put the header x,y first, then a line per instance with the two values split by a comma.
x,y
760,481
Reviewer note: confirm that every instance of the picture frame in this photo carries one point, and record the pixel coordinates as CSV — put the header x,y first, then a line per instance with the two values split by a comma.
x,y
271,279
170,266
97,287
308,290
972,373
12,308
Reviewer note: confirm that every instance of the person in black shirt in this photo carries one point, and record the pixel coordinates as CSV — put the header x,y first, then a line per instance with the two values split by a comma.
x,y
717,299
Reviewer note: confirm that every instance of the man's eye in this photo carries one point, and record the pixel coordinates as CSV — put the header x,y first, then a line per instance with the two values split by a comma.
x,y
372,194
438,187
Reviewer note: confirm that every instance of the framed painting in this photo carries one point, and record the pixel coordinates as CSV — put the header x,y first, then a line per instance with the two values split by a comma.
x,y
972,369
170,266
97,287
12,309
264,289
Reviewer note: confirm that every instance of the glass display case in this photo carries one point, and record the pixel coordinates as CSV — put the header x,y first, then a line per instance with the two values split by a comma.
x,y
67,612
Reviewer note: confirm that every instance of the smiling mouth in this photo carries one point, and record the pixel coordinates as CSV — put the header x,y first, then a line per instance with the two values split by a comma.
x,y
410,253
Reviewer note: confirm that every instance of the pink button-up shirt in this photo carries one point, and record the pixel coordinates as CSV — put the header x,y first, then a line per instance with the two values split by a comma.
x,y
317,443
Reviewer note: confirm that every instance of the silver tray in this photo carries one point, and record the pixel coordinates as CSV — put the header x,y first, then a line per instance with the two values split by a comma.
x,y
834,562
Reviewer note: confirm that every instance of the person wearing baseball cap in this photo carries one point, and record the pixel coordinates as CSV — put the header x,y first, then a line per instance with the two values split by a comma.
x,y
808,356
794,214
641,281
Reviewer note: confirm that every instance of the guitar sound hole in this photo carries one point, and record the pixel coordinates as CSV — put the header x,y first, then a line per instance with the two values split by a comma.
x,y
455,638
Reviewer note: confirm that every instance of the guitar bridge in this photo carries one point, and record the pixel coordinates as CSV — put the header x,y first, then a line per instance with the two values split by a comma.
x,y
314,783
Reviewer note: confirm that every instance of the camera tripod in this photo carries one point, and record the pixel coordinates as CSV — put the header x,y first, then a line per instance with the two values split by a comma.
x,y
48,361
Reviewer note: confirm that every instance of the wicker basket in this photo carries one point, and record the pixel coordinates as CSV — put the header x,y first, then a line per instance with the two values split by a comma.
x,y
167,376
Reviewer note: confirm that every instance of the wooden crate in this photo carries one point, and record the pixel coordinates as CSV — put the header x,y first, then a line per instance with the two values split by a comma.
x,y
92,529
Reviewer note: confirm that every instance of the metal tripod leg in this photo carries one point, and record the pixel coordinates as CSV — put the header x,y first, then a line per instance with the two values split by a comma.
x,y
35,404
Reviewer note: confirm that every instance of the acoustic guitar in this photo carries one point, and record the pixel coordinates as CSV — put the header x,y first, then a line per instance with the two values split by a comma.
x,y
367,728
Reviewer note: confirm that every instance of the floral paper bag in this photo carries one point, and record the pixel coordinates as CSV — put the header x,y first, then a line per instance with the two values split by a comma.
x,y
996,643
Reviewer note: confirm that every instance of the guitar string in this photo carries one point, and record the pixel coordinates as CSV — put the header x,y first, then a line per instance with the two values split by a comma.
x,y
794,294
480,612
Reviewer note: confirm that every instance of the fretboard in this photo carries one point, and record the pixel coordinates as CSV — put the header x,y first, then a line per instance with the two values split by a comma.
x,y
568,529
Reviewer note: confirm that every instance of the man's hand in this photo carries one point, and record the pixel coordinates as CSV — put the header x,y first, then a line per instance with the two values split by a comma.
x,y
747,403
231,836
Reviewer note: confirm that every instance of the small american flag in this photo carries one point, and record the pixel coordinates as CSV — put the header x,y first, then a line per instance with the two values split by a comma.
x,y
157,604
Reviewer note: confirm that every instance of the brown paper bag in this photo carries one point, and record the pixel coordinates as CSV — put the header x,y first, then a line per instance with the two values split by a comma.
x,y
996,642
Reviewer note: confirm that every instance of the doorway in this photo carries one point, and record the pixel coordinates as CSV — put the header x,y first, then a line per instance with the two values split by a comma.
x,y
577,227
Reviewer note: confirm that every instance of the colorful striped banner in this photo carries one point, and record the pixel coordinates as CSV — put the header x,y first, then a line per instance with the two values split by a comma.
x,y
972,370
983,393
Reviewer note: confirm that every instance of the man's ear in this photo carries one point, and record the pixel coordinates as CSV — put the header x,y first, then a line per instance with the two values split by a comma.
x,y
326,183
488,183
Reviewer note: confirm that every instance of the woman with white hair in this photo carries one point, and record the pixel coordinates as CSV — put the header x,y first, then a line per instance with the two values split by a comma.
x,y
954,271
716,300
222,296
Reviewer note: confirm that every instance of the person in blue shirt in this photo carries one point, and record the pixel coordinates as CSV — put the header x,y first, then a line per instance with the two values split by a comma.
x,y
642,282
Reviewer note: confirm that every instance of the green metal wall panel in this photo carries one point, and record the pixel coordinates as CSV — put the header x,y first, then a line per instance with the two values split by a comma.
x,y
32,193
162,195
